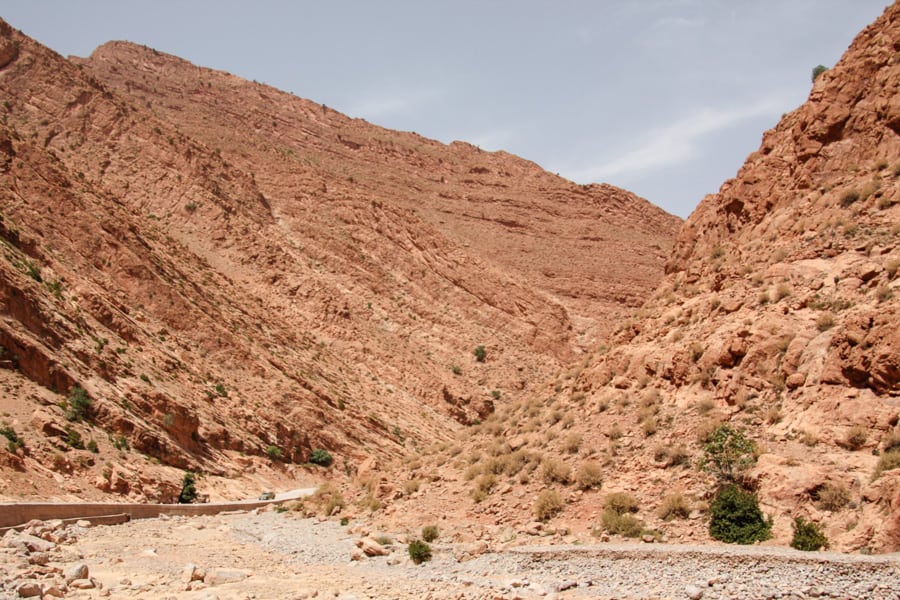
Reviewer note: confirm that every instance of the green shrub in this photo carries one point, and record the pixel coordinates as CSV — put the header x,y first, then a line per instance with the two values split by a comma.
x,y
14,442
188,489
419,551
430,533
321,457
735,517
92,446
273,452
73,439
480,353
78,404
621,524
547,505
727,453
818,70
807,536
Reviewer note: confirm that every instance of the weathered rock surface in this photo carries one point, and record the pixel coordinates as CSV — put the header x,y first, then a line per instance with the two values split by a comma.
x,y
236,288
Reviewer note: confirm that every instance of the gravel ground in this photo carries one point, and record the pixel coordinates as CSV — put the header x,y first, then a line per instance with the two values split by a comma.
x,y
275,555
598,571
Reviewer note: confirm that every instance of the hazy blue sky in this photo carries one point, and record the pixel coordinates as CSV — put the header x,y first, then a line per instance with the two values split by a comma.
x,y
663,97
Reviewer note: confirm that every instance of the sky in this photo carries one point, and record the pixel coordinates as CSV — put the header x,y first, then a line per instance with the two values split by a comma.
x,y
665,98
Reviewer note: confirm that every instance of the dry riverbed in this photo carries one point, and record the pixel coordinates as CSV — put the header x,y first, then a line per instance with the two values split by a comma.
x,y
267,554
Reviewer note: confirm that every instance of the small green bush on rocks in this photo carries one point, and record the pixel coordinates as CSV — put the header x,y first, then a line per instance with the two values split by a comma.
x,y
419,551
320,457
807,536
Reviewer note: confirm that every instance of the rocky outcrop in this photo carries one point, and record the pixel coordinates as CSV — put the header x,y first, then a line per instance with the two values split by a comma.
x,y
778,316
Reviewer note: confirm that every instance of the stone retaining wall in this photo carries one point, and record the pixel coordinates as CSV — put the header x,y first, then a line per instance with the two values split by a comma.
x,y
12,514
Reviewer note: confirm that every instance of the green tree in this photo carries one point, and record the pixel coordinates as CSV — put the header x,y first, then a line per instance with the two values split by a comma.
x,y
188,489
480,353
727,453
735,517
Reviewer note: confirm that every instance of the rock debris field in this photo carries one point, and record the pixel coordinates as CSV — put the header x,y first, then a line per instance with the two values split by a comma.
x,y
270,554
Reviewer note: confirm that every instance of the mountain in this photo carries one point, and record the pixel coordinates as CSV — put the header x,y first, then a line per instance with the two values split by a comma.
x,y
778,316
204,273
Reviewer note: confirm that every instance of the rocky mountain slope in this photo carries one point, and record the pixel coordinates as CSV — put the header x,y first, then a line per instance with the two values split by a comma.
x,y
205,273
778,315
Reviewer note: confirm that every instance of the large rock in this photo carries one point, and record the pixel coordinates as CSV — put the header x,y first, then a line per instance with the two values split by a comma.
x,y
371,547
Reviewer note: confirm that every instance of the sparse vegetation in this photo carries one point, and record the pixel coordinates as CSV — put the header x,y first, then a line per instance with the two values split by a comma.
x,y
621,503
13,441
889,460
891,441
329,499
735,517
674,506
555,471
621,524
727,453
807,536
188,489
672,457
78,405
480,353
825,322
73,439
273,452
321,457
411,486
419,551
547,505
832,497
589,475
849,197
430,533
855,438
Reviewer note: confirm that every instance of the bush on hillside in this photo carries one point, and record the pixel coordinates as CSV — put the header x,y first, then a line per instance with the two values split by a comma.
x,y
727,453
188,489
807,536
735,517
320,457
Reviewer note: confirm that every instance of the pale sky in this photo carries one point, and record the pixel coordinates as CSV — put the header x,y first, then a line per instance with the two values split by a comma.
x,y
665,98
